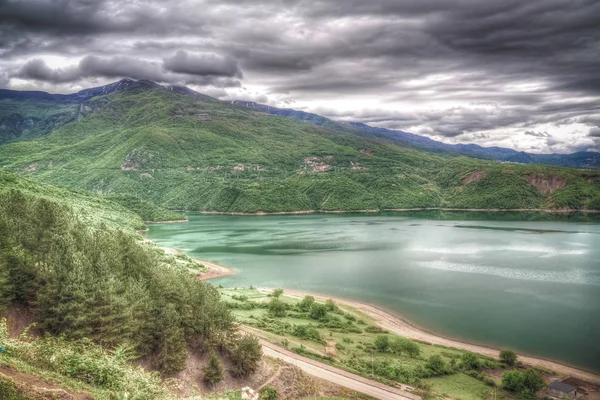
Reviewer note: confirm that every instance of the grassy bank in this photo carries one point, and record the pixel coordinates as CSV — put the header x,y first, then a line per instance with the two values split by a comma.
x,y
349,339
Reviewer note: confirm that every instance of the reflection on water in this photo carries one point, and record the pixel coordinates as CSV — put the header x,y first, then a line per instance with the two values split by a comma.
x,y
503,279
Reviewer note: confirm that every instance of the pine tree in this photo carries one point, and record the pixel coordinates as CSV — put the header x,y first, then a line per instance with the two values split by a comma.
x,y
213,372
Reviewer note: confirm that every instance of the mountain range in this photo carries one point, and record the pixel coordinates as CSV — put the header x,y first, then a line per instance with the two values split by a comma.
x,y
583,159
181,149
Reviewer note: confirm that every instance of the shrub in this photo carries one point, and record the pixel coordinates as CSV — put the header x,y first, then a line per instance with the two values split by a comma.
x,y
267,393
245,353
307,332
436,365
340,347
470,361
331,306
306,303
277,308
318,311
382,343
508,357
374,329
400,345
525,383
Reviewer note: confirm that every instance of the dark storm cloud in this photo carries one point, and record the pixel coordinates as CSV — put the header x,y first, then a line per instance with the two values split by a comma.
x,y
216,74
484,65
594,132
202,64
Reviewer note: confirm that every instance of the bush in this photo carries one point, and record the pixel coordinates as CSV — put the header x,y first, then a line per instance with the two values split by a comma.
x,y
87,362
436,365
307,332
470,361
508,357
213,372
400,345
318,311
374,329
306,303
382,343
267,393
525,383
331,306
277,308
245,353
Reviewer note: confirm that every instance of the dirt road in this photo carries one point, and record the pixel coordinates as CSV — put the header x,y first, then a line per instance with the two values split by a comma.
x,y
337,376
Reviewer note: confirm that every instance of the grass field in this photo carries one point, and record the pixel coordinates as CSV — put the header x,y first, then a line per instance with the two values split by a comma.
x,y
351,345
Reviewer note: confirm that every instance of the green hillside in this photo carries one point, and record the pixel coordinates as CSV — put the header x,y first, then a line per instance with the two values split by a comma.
x,y
182,152
113,211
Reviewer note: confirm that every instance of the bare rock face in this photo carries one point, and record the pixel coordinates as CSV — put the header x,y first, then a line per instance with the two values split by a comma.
x,y
473,177
546,183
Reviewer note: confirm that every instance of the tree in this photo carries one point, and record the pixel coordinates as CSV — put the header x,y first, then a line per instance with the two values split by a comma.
x,y
277,293
436,365
306,302
318,311
532,381
400,345
213,372
508,357
276,307
331,306
382,343
470,361
526,382
245,353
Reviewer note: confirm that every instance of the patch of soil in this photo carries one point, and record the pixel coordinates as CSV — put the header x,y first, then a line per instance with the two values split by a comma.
x,y
189,381
591,390
37,388
18,318
545,183
473,177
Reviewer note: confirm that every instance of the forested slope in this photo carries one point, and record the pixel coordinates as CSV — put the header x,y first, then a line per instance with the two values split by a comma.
x,y
182,152
101,296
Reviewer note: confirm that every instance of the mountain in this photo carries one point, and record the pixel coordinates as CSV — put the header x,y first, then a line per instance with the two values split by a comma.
x,y
584,159
193,152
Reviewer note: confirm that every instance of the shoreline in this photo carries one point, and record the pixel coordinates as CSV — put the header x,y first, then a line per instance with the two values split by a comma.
x,y
215,271
373,211
397,324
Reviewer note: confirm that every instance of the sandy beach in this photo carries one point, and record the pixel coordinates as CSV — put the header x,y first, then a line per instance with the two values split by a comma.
x,y
215,270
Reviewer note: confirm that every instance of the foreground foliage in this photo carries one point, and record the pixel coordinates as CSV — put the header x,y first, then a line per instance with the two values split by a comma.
x,y
103,284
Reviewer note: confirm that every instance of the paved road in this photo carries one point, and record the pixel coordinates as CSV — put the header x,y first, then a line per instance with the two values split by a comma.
x,y
337,376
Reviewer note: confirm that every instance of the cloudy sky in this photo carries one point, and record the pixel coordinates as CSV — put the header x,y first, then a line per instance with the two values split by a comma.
x,y
514,73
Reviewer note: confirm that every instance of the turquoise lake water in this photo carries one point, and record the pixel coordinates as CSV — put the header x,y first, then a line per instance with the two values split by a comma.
x,y
532,286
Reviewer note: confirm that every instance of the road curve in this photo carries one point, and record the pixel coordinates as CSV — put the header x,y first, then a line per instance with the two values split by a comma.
x,y
337,376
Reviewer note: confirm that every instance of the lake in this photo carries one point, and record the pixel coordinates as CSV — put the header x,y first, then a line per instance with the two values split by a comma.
x,y
531,286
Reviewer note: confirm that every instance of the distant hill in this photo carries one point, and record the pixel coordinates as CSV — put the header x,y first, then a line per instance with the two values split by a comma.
x,y
584,159
184,150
